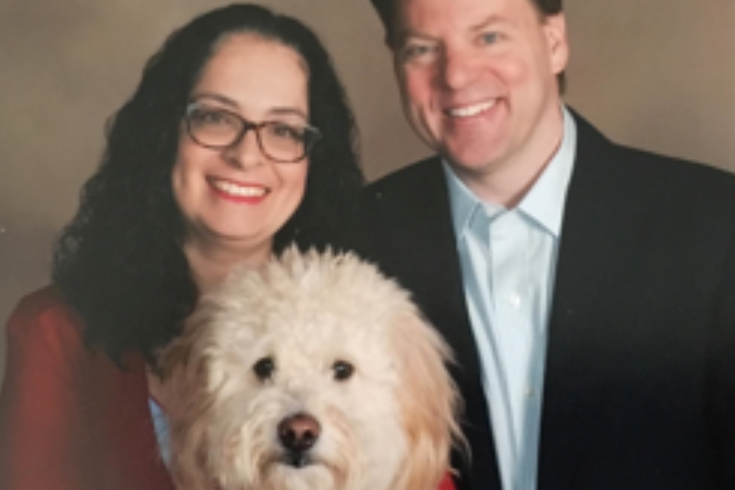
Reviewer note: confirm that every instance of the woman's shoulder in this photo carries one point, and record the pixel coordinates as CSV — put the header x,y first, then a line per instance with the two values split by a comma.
x,y
44,314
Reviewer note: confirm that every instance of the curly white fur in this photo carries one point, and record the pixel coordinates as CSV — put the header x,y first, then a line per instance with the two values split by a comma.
x,y
388,426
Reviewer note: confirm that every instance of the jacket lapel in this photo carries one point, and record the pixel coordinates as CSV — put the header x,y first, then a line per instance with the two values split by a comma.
x,y
598,234
437,282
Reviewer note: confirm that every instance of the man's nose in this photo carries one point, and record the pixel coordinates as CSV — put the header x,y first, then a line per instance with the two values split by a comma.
x,y
457,69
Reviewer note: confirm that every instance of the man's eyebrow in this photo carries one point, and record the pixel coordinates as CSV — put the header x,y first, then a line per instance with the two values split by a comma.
x,y
405,34
493,19
488,21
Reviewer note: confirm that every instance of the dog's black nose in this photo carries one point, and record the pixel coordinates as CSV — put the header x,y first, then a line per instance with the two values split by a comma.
x,y
299,432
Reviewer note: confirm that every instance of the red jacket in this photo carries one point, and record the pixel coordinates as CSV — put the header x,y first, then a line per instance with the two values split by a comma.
x,y
70,419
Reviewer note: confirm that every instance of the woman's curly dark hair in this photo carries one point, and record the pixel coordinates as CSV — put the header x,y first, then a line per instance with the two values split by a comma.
x,y
120,261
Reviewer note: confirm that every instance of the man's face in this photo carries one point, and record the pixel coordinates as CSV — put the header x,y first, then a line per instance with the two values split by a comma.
x,y
478,79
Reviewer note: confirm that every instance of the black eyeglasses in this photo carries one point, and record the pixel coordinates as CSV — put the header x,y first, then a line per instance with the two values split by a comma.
x,y
218,128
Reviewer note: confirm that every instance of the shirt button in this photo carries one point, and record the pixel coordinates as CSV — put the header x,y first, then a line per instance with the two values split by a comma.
x,y
515,300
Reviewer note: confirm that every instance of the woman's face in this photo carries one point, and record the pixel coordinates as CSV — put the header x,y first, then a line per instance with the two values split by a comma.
x,y
237,196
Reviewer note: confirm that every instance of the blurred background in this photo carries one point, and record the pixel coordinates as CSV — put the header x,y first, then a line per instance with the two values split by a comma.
x,y
653,74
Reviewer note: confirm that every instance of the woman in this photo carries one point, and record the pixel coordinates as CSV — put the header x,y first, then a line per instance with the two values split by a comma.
x,y
238,141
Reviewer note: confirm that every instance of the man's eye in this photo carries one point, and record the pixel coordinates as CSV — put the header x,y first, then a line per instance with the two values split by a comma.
x,y
490,37
415,51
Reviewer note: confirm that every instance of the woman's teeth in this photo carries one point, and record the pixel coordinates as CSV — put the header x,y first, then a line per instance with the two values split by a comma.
x,y
239,190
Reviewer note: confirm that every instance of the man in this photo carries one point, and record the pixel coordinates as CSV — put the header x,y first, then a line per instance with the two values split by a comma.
x,y
588,289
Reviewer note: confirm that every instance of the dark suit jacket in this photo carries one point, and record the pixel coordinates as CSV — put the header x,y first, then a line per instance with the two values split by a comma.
x,y
640,373
71,419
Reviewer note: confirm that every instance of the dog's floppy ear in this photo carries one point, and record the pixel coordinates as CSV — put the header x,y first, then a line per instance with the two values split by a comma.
x,y
428,400
182,367
179,353
173,357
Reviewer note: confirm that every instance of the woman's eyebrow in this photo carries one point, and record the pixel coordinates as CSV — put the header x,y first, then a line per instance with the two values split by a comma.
x,y
218,98
274,111
288,111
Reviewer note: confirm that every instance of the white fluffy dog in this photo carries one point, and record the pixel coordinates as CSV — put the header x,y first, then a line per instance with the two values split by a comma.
x,y
312,373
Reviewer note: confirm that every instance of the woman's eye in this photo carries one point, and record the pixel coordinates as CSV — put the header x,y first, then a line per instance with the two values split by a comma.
x,y
210,117
287,131
215,118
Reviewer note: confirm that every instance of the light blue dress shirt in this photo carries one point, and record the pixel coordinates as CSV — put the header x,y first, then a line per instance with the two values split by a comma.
x,y
508,260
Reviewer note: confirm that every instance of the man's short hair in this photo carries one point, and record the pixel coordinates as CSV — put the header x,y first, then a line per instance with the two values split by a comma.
x,y
386,10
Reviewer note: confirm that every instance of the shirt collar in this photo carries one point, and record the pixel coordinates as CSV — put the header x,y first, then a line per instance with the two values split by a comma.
x,y
544,202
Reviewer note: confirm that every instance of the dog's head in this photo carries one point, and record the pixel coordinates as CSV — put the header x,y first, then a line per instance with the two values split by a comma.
x,y
313,372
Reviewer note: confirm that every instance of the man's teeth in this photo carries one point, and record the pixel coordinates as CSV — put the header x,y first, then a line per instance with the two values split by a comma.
x,y
239,190
471,110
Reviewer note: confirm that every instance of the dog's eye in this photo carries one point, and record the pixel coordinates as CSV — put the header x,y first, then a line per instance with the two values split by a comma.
x,y
342,370
264,368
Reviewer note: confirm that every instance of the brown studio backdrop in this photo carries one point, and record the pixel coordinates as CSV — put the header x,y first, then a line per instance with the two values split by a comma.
x,y
658,75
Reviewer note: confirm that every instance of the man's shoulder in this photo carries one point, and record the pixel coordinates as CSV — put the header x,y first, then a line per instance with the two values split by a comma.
x,y
656,175
397,205
688,180
415,175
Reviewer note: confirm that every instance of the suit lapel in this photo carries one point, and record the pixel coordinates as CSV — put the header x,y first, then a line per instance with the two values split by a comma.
x,y
598,235
437,283
445,301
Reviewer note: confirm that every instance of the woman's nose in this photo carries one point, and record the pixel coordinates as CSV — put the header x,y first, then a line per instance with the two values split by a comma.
x,y
246,152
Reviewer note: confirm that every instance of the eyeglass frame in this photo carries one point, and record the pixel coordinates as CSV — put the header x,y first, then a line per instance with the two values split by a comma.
x,y
247,126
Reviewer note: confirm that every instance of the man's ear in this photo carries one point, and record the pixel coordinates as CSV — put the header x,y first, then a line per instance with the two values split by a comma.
x,y
555,29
